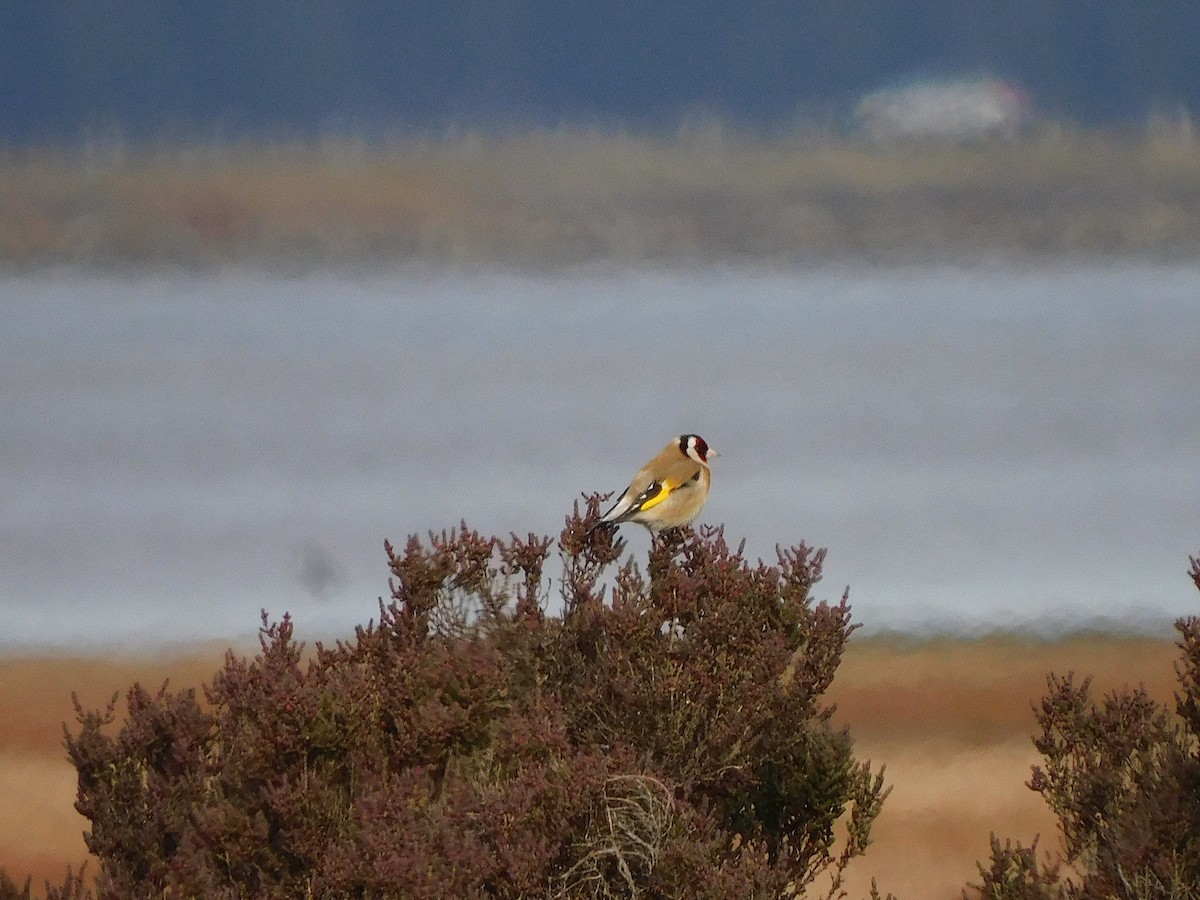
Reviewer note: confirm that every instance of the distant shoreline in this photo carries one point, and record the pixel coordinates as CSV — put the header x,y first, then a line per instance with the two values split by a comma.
x,y
577,196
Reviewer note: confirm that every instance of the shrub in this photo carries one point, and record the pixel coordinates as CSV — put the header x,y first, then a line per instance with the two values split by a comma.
x,y
1123,777
73,888
665,736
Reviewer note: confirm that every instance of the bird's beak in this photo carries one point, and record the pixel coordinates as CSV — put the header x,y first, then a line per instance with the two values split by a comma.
x,y
711,453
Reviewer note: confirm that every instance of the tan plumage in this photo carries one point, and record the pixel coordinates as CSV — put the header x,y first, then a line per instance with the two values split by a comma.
x,y
669,490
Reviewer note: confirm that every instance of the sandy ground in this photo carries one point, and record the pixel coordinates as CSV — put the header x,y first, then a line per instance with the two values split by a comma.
x,y
951,720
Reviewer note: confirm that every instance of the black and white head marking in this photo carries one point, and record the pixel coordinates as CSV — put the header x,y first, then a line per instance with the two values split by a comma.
x,y
694,446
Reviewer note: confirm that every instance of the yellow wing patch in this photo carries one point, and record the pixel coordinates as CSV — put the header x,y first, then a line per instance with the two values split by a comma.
x,y
654,495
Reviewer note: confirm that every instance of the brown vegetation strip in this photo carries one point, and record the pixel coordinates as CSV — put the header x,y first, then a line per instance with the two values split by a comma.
x,y
951,719
570,196
983,690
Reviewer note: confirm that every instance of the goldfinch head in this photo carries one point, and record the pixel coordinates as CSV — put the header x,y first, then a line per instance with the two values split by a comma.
x,y
696,447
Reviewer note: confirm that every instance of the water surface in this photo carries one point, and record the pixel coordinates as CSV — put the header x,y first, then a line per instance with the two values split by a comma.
x,y
992,447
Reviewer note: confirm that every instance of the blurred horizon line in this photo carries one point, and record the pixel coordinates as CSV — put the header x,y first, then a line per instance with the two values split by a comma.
x,y
703,192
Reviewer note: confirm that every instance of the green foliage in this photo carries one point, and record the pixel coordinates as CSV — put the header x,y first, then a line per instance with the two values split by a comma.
x,y
1014,874
664,737
1123,776
73,888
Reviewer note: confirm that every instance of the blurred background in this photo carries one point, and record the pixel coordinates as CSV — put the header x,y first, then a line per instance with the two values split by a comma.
x,y
279,281
273,67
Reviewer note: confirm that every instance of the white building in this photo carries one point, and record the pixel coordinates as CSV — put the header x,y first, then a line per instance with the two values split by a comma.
x,y
955,109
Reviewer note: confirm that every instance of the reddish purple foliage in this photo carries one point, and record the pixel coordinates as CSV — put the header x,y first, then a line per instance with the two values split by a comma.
x,y
1123,776
665,736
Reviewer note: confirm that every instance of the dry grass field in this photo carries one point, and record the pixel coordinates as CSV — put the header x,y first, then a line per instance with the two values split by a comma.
x,y
704,193
951,719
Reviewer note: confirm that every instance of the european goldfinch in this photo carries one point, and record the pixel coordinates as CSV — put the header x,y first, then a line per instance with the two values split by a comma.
x,y
668,491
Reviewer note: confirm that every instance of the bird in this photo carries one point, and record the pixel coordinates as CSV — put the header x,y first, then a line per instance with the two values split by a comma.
x,y
669,490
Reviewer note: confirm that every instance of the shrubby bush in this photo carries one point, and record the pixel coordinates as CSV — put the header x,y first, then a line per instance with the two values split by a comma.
x,y
74,887
1122,774
665,736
